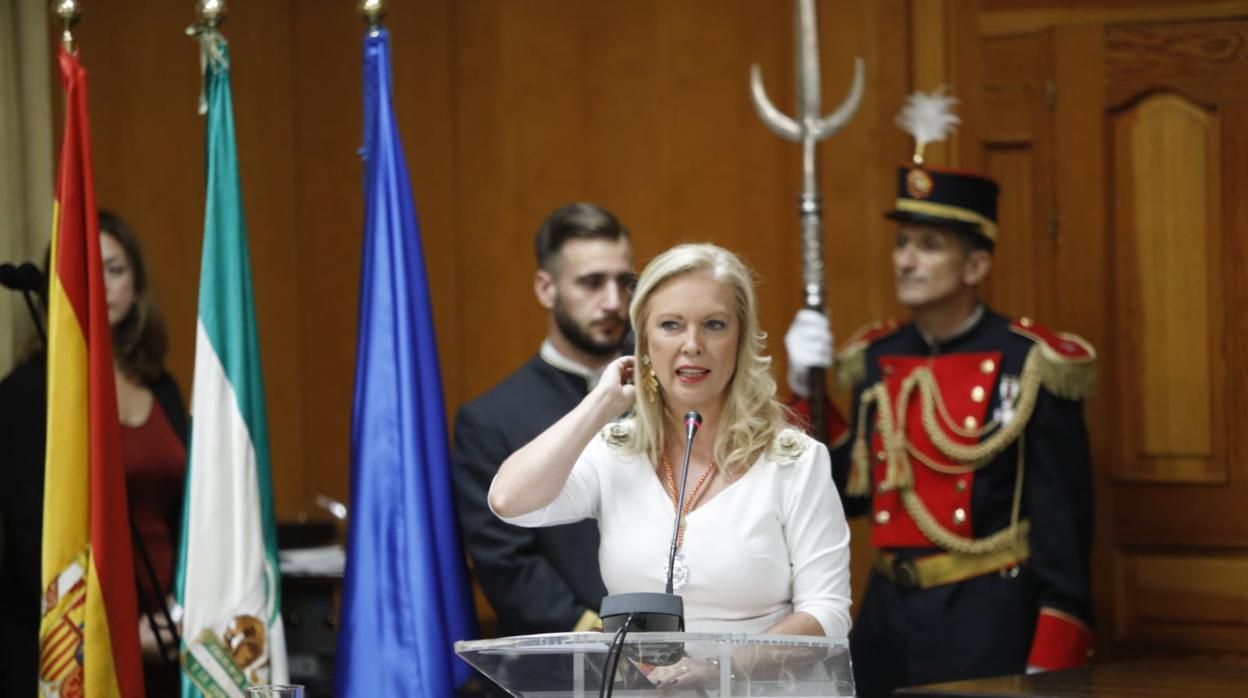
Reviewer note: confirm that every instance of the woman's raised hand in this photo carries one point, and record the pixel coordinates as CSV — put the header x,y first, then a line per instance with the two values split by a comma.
x,y
617,388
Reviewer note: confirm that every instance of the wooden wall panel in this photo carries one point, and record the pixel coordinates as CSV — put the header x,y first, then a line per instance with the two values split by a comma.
x,y
1013,82
1081,262
1210,515
1206,62
1010,17
327,41
1167,214
1016,141
1196,599
1015,282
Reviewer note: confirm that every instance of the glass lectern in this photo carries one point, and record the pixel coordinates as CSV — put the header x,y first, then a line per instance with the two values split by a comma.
x,y
572,665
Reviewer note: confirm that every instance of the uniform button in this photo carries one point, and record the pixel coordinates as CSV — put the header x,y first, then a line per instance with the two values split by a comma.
x,y
960,485
970,422
1025,322
881,456
977,393
959,516
987,366
881,488
882,516
888,370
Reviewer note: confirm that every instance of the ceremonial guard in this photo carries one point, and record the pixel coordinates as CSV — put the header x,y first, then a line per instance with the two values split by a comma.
x,y
968,450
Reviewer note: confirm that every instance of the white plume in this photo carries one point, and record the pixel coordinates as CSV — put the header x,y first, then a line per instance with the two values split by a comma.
x,y
928,117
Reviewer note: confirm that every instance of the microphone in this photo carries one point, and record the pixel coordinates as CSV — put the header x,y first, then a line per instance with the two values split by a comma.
x,y
26,277
8,276
693,422
651,611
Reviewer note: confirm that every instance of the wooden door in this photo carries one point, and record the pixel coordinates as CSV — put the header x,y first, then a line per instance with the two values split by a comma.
x,y
1121,144
1176,115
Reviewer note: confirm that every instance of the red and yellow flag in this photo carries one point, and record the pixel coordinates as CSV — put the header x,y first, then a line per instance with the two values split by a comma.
x,y
88,636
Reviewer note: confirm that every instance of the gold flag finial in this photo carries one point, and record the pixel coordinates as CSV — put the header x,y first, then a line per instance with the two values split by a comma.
x,y
69,12
373,11
210,13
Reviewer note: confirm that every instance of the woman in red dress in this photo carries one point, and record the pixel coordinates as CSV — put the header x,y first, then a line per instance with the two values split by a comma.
x,y
153,439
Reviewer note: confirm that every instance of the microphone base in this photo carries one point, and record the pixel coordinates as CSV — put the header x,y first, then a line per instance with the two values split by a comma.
x,y
652,613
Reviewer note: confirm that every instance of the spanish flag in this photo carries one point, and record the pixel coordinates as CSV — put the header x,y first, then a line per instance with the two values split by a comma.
x,y
88,636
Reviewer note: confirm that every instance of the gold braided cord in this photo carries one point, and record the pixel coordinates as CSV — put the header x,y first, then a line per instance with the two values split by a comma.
x,y
859,484
932,394
961,469
958,213
900,476
983,451
1013,535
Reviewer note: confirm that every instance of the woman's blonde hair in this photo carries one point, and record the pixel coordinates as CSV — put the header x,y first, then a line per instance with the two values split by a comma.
x,y
752,416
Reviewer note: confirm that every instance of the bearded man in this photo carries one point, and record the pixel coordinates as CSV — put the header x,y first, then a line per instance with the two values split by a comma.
x,y
546,579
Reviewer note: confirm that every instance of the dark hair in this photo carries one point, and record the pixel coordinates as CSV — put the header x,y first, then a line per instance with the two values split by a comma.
x,y
140,340
582,221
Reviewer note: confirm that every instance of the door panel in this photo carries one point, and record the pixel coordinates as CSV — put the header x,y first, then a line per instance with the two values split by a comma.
x,y
1166,229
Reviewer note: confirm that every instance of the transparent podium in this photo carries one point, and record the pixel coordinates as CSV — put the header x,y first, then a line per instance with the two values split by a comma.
x,y
666,664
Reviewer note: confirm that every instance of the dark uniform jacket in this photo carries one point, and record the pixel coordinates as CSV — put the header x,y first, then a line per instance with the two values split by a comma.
x,y
23,439
538,580
974,446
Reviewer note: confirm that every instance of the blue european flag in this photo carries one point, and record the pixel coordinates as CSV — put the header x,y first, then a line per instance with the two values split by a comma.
x,y
406,598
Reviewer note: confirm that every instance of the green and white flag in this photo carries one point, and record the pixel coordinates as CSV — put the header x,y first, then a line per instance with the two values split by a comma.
x,y
227,581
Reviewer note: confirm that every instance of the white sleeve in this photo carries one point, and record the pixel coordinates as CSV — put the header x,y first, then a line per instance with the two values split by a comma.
x,y
817,537
580,497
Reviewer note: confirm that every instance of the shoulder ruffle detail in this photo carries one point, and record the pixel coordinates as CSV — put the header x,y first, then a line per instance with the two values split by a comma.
x,y
788,446
621,436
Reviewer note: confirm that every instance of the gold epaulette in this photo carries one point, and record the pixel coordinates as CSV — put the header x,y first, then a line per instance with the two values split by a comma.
x,y
851,360
1067,361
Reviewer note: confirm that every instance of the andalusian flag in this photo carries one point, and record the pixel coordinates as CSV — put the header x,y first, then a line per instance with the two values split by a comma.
x,y
88,636
227,580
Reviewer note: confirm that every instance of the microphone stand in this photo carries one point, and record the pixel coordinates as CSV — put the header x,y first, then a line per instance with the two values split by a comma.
x,y
159,604
34,317
693,421
649,611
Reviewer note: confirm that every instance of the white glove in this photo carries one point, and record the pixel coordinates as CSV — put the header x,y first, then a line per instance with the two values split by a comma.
x,y
809,344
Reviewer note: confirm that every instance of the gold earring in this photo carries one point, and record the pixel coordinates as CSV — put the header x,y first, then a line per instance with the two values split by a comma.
x,y
649,380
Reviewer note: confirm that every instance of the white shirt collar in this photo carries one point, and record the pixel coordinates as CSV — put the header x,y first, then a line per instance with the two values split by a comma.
x,y
552,356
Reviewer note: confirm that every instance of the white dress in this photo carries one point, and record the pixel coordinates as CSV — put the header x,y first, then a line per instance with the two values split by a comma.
x,y
771,543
